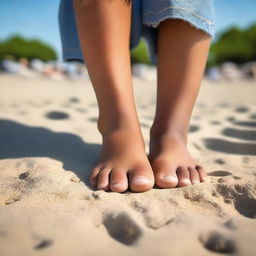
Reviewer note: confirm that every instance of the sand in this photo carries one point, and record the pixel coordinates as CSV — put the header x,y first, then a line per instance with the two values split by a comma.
x,y
49,142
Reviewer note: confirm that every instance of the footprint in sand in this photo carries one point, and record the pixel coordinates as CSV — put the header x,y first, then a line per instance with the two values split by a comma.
x,y
57,115
241,109
215,122
153,218
239,148
240,134
219,161
43,244
217,242
239,195
11,200
193,128
93,119
74,100
219,173
245,123
230,119
122,228
202,201
225,146
253,116
23,175
236,177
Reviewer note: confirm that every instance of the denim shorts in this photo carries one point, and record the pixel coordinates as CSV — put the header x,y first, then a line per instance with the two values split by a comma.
x,y
146,17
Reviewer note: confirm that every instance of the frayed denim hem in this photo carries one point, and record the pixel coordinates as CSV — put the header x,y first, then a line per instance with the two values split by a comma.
x,y
154,19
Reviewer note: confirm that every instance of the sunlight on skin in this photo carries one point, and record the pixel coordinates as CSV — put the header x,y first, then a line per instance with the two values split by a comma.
x,y
123,162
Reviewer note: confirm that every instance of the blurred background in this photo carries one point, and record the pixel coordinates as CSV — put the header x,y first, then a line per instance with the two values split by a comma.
x,y
48,125
30,42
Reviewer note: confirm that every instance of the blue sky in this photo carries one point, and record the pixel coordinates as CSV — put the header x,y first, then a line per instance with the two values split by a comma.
x,y
38,19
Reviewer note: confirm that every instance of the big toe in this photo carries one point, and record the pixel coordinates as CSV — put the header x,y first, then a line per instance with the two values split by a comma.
x,y
141,180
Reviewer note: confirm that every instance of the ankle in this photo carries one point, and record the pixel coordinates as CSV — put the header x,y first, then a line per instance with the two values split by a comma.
x,y
109,125
174,133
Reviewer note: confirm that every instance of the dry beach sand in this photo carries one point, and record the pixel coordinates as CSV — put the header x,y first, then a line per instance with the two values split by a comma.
x,y
49,142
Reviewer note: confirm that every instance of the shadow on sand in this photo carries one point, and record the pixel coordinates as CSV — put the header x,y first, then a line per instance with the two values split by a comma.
x,y
18,140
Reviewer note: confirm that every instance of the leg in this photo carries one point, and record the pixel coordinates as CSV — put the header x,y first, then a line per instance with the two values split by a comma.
x,y
182,55
104,33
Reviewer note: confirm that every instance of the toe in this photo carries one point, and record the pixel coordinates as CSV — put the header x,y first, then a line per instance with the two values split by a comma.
x,y
201,172
118,180
103,179
194,176
166,178
183,177
93,176
141,179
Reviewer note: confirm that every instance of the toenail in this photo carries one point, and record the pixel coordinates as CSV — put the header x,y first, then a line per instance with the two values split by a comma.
x,y
195,181
185,181
170,179
141,181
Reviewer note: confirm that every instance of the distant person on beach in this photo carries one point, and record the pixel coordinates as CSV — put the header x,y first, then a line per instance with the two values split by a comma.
x,y
178,33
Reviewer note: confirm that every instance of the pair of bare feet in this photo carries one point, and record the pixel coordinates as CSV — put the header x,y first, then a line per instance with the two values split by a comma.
x,y
124,164
182,52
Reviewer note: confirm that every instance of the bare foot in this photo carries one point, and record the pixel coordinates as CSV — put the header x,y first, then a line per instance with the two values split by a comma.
x,y
123,163
172,164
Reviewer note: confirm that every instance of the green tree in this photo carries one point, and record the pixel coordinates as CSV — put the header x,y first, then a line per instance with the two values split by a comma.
x,y
140,53
19,47
250,34
234,45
